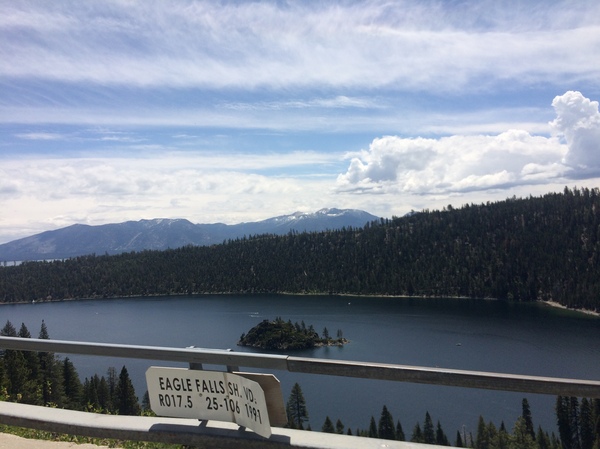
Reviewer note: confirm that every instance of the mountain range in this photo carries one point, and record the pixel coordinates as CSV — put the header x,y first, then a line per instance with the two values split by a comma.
x,y
161,233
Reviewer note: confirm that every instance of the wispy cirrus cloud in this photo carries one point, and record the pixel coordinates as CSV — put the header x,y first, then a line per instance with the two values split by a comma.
x,y
338,102
41,136
264,65
403,45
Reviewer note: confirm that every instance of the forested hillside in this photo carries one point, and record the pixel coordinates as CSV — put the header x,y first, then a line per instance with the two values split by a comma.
x,y
542,248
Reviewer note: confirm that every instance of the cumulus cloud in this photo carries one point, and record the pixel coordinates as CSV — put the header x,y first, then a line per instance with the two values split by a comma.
x,y
463,163
389,157
578,121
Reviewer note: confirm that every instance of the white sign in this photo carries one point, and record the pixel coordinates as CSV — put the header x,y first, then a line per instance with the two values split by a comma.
x,y
216,395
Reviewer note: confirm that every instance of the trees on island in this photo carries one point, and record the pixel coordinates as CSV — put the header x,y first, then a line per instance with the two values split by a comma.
x,y
281,335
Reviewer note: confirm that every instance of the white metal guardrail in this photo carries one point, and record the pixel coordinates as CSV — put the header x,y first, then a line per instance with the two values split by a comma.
x,y
228,435
365,370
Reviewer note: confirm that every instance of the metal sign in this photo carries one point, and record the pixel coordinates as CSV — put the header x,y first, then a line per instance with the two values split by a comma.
x,y
216,395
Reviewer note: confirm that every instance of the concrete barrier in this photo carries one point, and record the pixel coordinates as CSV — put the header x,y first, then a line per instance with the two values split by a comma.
x,y
206,434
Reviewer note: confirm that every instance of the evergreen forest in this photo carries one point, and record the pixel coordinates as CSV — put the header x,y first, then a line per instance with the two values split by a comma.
x,y
43,378
578,424
524,249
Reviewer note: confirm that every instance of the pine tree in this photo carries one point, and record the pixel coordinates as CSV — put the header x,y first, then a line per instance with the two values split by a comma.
x,y
526,414
595,404
44,332
417,435
564,422
372,428
586,424
8,330
521,438
106,400
127,401
296,408
440,437
146,402
90,394
31,392
543,440
574,422
555,442
428,431
502,438
50,374
339,427
596,419
24,332
111,382
71,386
400,432
482,439
327,426
96,395
15,367
386,428
459,441
492,435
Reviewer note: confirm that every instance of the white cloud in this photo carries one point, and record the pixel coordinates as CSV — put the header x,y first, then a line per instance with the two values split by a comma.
x,y
454,164
388,157
463,163
578,120
41,136
40,193
338,102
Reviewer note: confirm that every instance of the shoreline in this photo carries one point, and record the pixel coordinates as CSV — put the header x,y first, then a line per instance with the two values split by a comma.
x,y
553,304
560,306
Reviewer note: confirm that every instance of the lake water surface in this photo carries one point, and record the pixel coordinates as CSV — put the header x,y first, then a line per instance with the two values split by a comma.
x,y
450,333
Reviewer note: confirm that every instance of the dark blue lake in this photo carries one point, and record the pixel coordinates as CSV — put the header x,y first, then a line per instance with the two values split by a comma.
x,y
451,333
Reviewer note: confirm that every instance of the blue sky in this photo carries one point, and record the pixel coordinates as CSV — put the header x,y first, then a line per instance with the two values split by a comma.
x,y
240,111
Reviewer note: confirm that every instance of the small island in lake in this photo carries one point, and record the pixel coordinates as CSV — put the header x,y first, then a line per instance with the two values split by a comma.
x,y
283,336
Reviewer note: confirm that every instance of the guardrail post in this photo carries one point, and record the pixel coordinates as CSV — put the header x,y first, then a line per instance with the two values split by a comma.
x,y
194,365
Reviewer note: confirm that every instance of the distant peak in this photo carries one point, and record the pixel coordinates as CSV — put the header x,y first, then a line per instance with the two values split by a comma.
x,y
331,211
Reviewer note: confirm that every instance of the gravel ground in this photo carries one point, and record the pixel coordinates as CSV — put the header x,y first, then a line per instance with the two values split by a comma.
x,y
9,441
